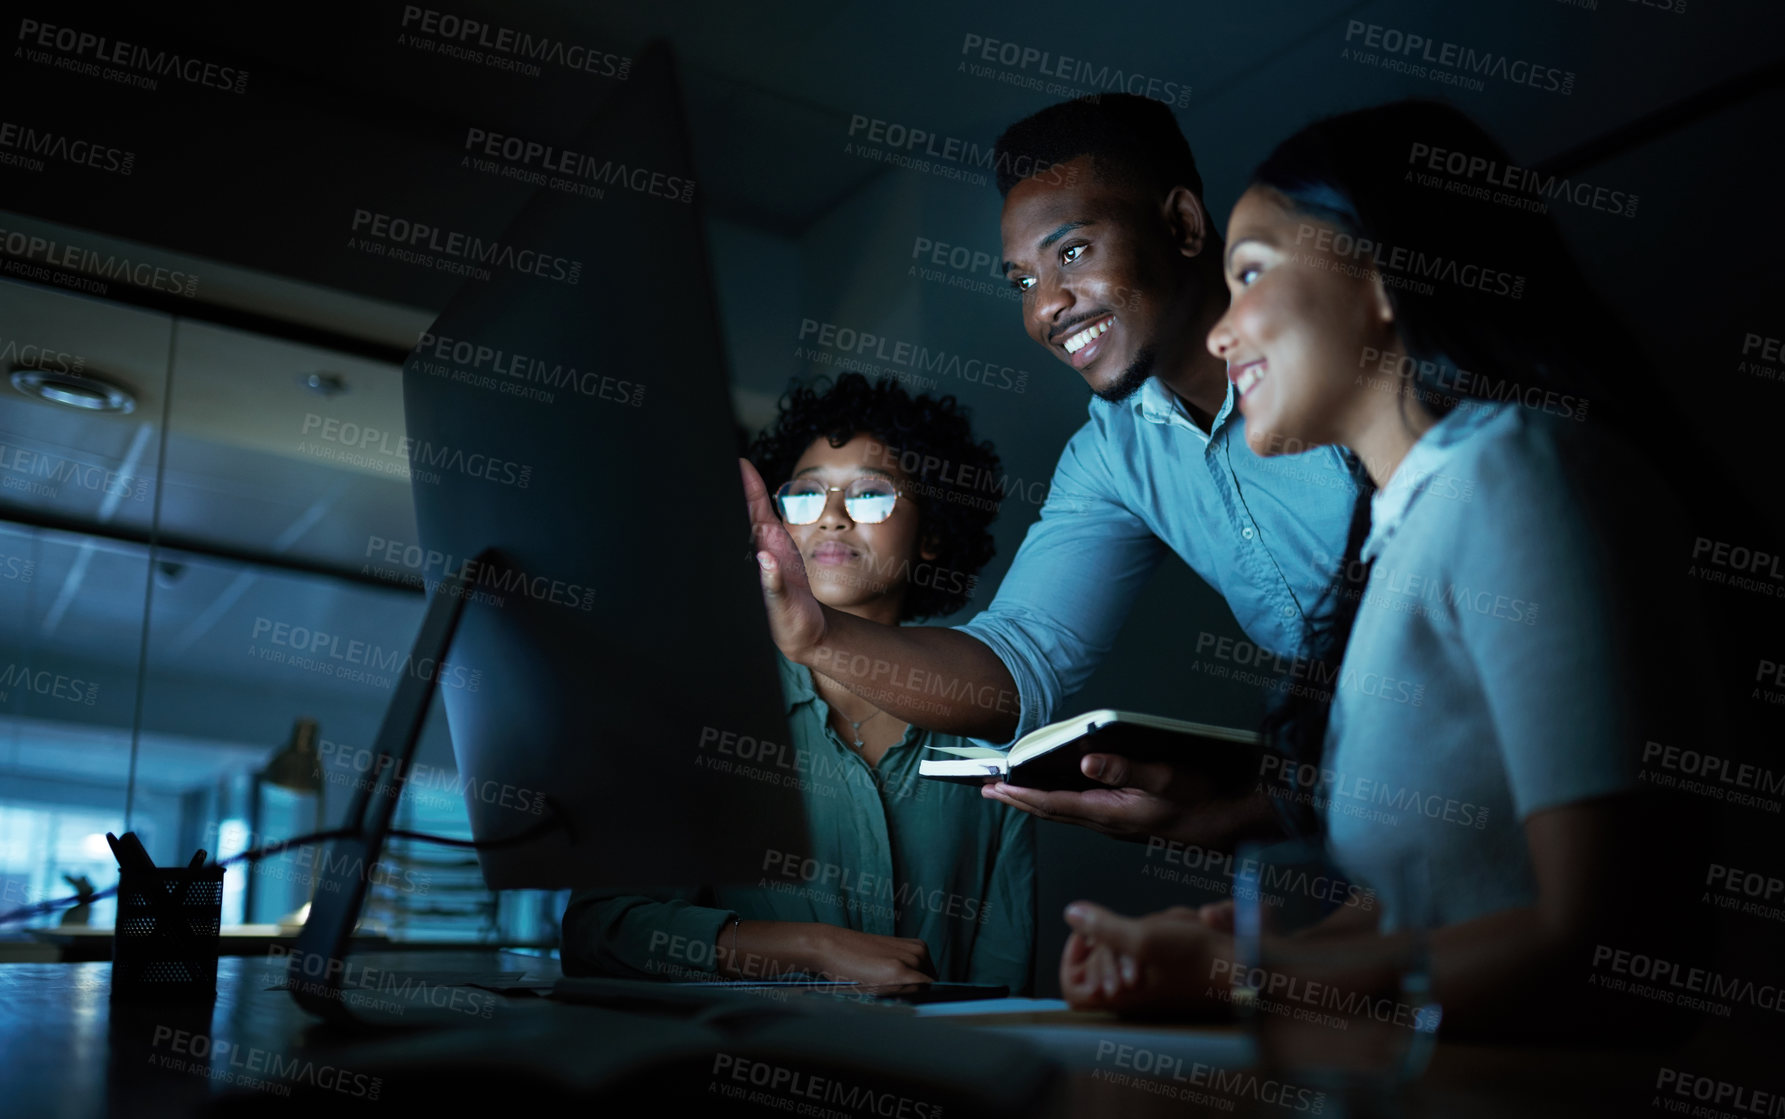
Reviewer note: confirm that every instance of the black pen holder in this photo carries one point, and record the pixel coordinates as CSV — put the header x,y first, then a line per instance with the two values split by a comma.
x,y
164,946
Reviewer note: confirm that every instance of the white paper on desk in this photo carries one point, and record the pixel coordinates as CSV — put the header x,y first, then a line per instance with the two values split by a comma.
x,y
989,1006
497,981
1087,1047
528,981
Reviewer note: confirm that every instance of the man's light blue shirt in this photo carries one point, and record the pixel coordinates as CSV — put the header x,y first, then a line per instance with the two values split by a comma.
x,y
1138,481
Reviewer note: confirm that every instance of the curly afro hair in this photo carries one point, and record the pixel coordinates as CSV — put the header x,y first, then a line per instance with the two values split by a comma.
x,y
955,480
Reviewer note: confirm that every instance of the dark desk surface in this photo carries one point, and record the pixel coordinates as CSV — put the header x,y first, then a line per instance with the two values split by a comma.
x,y
83,944
67,1051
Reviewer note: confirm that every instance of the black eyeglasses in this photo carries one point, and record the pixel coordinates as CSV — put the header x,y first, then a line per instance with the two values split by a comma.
x,y
868,501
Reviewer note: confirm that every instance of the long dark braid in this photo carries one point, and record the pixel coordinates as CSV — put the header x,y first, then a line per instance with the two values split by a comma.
x,y
1295,726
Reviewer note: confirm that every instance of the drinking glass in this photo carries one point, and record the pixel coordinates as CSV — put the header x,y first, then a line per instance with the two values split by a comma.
x,y
1333,974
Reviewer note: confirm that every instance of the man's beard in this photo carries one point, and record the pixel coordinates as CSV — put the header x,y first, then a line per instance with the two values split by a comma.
x,y
1131,378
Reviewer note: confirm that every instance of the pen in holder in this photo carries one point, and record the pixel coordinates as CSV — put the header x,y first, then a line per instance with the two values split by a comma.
x,y
164,946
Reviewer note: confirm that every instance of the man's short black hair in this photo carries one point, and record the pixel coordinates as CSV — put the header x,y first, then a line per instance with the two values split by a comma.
x,y
954,479
1128,138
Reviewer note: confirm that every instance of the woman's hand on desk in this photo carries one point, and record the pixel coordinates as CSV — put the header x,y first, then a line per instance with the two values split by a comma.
x,y
866,958
1217,915
765,949
1165,963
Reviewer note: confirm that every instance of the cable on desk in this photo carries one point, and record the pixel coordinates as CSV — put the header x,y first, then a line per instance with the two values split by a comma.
x,y
552,821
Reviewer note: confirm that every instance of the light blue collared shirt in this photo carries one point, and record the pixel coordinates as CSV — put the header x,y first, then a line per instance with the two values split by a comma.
x,y
1496,667
1141,480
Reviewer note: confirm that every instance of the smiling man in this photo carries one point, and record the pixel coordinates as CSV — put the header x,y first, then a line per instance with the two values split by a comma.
x,y
1121,274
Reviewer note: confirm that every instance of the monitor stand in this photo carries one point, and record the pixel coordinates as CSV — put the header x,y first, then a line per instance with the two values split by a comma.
x,y
318,964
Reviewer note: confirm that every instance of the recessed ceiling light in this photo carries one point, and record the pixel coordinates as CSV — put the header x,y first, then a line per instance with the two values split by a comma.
x,y
87,392
324,384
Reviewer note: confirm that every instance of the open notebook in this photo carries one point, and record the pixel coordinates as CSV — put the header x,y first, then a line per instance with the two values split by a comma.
x,y
1048,758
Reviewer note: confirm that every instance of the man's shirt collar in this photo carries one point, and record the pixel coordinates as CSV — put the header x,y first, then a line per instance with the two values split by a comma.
x,y
1158,404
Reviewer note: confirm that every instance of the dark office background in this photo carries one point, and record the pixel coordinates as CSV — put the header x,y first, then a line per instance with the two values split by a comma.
x,y
255,193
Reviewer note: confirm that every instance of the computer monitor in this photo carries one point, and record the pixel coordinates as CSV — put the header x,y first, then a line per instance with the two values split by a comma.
x,y
569,408
624,667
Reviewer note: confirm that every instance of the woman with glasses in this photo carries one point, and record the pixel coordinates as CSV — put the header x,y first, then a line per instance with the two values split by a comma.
x,y
889,500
